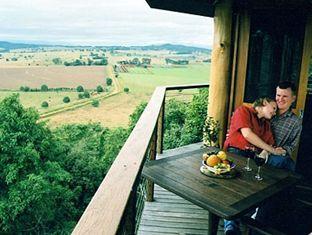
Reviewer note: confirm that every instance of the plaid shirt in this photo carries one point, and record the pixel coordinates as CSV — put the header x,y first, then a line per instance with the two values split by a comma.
x,y
286,130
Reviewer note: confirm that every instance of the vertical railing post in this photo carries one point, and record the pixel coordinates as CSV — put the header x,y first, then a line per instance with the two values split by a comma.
x,y
128,224
152,156
160,128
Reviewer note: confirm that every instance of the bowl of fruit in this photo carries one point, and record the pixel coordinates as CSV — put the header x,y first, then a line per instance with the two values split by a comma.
x,y
217,163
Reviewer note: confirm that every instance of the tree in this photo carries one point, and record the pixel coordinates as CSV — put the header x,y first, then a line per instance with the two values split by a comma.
x,y
86,94
109,81
44,87
26,88
44,104
80,88
95,103
34,198
195,118
134,117
22,88
80,96
57,61
66,99
126,89
99,89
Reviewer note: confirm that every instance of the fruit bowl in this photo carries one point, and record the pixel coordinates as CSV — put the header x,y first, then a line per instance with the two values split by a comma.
x,y
220,168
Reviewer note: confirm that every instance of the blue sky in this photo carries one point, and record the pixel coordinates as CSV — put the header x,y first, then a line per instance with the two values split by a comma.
x,y
104,22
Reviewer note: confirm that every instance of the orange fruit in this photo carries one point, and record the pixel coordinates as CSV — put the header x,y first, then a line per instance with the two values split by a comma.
x,y
213,160
222,155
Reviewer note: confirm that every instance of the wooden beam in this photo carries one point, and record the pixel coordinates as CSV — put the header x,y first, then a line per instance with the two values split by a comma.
x,y
242,58
305,62
221,65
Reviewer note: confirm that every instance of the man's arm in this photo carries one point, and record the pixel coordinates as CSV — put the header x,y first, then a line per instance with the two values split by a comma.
x,y
252,138
294,137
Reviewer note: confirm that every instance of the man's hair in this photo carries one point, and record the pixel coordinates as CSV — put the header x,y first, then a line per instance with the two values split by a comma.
x,y
286,85
260,102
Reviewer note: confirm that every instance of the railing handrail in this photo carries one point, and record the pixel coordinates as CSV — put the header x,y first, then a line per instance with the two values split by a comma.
x,y
105,211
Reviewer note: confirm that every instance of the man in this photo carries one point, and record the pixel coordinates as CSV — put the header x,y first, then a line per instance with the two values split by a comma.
x,y
286,126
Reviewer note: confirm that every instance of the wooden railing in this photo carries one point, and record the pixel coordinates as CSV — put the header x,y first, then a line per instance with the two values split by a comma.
x,y
115,207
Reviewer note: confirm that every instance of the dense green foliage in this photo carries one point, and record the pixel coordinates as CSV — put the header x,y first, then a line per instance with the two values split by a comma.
x,y
47,178
184,121
34,194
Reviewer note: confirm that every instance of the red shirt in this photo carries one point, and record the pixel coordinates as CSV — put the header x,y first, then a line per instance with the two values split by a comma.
x,y
247,117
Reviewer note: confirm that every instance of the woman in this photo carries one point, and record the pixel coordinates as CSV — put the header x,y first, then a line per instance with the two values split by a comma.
x,y
250,128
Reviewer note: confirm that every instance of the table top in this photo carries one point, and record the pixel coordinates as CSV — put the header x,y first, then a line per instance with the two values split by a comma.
x,y
226,198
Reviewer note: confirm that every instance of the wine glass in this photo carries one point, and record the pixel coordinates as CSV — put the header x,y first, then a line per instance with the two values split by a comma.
x,y
249,154
259,162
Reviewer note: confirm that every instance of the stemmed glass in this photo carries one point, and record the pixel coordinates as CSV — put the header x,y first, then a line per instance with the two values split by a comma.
x,y
249,154
259,162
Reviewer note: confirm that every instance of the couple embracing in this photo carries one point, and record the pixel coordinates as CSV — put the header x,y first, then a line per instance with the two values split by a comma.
x,y
275,140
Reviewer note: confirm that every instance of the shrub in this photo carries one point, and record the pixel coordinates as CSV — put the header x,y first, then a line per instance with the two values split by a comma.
x,y
86,94
126,89
99,89
26,88
109,81
95,103
66,99
22,88
80,95
44,104
44,87
80,88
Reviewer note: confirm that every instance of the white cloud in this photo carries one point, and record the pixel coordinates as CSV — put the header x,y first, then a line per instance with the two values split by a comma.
x,y
93,22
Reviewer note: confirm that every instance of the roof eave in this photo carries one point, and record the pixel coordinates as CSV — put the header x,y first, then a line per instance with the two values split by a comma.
x,y
195,7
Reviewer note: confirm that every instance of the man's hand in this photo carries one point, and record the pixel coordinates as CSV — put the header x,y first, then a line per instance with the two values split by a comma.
x,y
279,151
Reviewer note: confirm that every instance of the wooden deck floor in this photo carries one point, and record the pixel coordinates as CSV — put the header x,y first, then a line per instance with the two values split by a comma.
x,y
171,214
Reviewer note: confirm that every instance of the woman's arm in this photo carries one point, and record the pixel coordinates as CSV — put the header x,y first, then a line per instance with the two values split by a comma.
x,y
252,138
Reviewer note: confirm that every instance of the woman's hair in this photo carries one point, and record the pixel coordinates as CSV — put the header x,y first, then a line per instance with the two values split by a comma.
x,y
260,102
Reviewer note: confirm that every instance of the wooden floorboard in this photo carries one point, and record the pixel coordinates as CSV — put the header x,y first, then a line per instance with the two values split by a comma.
x,y
171,214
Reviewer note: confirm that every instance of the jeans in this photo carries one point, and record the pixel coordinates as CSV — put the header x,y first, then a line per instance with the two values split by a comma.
x,y
234,224
282,162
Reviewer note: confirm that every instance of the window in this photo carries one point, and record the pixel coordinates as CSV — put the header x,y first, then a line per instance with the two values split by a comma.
x,y
275,50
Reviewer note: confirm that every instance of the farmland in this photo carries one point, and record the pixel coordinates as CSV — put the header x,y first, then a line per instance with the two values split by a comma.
x,y
13,78
35,69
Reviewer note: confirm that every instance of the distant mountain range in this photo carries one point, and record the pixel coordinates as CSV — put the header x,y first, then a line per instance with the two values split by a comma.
x,y
7,46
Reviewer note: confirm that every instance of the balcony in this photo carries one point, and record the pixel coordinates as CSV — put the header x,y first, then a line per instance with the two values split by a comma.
x,y
117,206
126,203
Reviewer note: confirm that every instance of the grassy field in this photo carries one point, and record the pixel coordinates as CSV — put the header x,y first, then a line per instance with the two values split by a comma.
x,y
144,83
34,69
34,99
115,111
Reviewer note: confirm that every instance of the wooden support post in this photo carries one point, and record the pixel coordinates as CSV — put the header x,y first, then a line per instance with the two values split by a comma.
x,y
160,129
152,156
220,66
